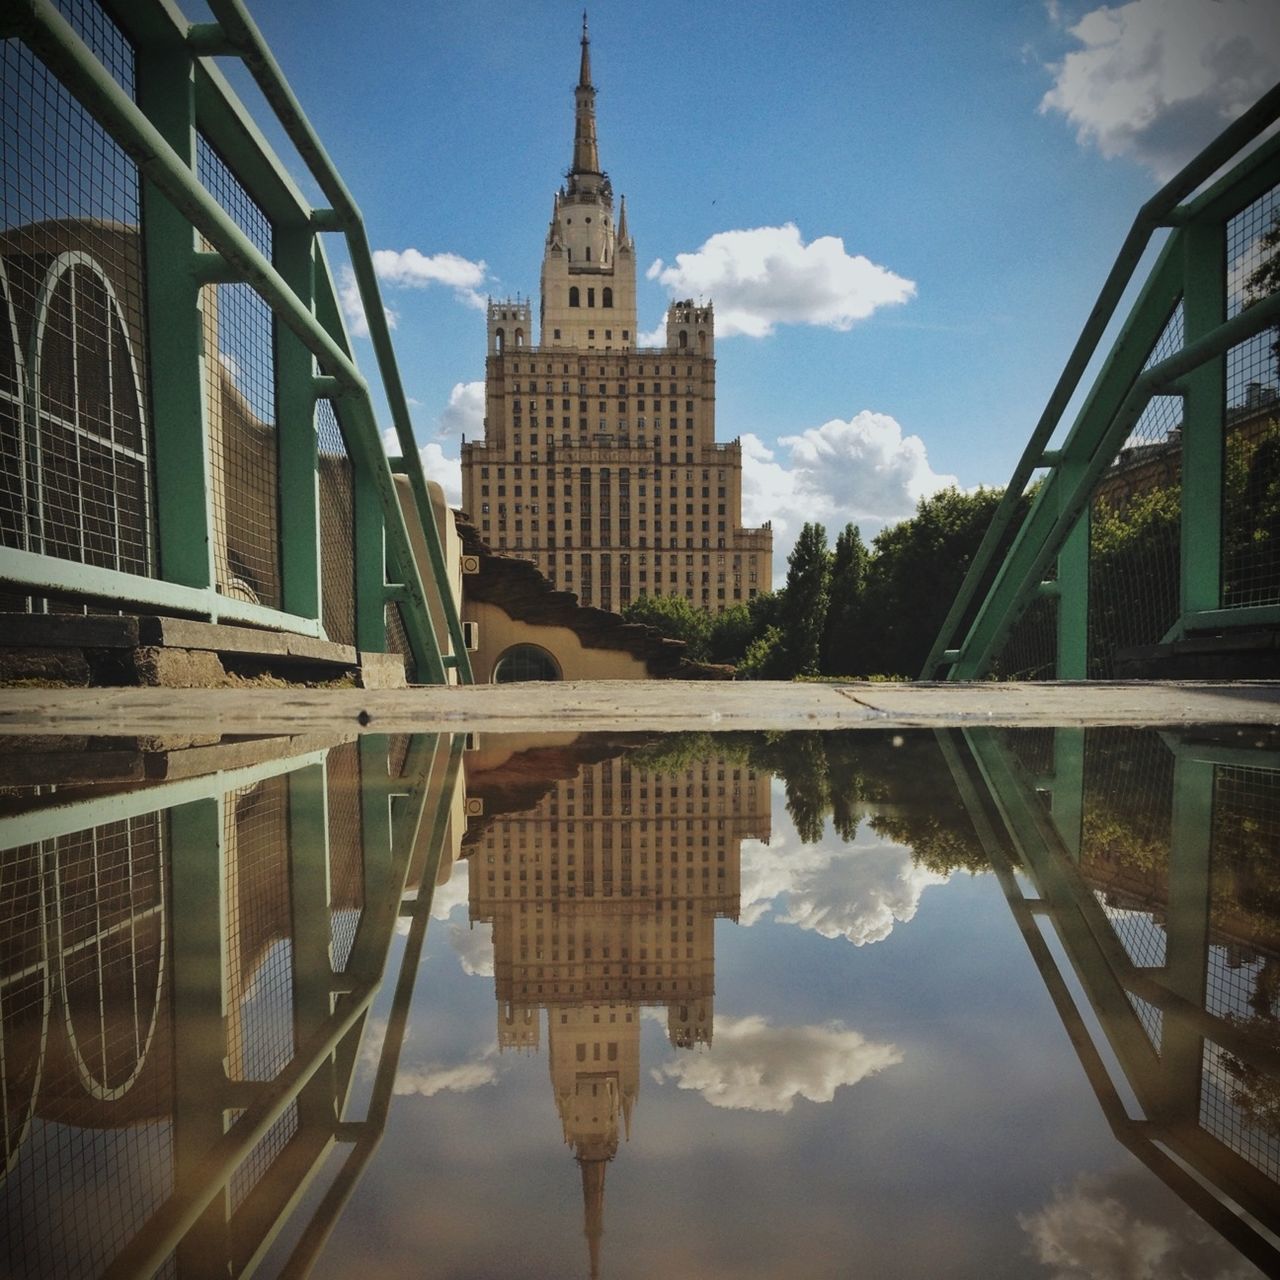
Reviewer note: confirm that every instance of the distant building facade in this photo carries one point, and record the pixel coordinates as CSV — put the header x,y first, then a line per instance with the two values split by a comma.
x,y
600,462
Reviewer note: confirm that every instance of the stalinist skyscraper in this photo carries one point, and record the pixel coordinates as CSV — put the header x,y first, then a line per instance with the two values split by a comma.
x,y
600,461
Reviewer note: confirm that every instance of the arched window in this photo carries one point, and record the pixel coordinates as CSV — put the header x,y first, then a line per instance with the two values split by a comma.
x,y
525,662
519,337
499,340
684,339
608,297
573,296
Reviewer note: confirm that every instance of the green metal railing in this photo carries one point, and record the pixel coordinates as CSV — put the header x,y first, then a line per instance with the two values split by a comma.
x,y
203,269
1186,379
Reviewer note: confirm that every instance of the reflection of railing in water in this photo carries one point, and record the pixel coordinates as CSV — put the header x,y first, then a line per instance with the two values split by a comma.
x,y
177,1049
1156,934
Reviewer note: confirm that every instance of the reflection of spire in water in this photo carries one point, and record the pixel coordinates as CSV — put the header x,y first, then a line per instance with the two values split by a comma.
x,y
603,898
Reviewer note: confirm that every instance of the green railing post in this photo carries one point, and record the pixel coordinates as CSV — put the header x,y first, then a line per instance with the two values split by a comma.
x,y
295,418
1073,594
370,564
1068,788
198,998
1203,418
176,355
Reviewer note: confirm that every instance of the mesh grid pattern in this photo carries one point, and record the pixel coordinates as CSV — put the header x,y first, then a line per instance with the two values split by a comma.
x,y
346,860
398,641
264,1154
1139,932
1151,1018
75,483
259,945
86,1039
1237,982
241,407
1031,650
1232,1103
337,529
1134,553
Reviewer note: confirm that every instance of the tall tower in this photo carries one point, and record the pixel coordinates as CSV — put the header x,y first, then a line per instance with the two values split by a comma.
x,y
599,461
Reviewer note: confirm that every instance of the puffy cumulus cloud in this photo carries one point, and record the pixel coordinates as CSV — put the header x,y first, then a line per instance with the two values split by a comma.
x,y
464,414
474,949
755,1066
429,1080
1111,1229
1158,79
857,892
438,465
411,269
766,276
352,304
865,470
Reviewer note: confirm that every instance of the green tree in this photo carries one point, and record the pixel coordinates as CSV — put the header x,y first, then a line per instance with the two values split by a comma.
x,y
674,616
848,577
732,632
804,611
766,657
914,573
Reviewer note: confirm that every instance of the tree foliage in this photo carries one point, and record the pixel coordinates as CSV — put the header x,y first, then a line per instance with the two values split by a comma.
x,y
804,608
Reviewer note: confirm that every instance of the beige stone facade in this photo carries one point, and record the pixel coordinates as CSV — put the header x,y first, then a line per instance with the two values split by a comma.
x,y
600,462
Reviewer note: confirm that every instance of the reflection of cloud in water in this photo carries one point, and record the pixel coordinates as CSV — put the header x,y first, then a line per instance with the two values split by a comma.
x,y
1116,1229
754,1066
856,891
428,1080
474,947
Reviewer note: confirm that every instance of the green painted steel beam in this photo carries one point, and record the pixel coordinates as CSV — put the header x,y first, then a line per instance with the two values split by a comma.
x,y
1094,443
40,573
1153,215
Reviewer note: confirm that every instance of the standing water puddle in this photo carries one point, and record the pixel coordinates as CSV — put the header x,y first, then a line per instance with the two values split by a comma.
x,y
967,1003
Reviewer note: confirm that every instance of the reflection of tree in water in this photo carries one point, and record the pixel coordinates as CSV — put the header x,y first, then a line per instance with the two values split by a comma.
x,y
898,784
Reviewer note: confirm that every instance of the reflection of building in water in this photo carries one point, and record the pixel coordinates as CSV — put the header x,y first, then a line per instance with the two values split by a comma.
x,y
603,899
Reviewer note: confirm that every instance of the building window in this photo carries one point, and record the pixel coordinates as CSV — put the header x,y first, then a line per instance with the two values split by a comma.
x,y
608,297
574,296
525,662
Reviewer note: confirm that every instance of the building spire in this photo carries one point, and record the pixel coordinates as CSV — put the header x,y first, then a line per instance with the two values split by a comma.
x,y
622,222
593,1207
586,155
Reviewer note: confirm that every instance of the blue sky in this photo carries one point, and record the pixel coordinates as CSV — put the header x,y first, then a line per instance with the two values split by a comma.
x,y
985,158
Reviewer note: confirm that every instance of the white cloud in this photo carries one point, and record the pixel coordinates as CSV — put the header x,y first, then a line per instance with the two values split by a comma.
x,y
1158,79
353,306
656,337
754,1066
462,1078
444,470
766,276
864,470
474,948
464,414
857,891
412,269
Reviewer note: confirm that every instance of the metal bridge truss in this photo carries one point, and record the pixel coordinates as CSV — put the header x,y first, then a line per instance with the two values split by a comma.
x,y
1135,906
232,468
1185,395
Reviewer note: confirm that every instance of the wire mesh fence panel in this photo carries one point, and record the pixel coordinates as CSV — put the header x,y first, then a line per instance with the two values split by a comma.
x,y
346,852
1244,903
265,1153
75,437
398,641
1238,1107
259,949
1031,650
86,1052
337,529
1151,1019
1127,831
240,406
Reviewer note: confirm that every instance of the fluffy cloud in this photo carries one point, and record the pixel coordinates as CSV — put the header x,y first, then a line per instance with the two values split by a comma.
x,y
1157,79
754,1066
1111,1229
444,470
464,414
474,948
766,276
864,470
411,269
353,305
857,892
429,1080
